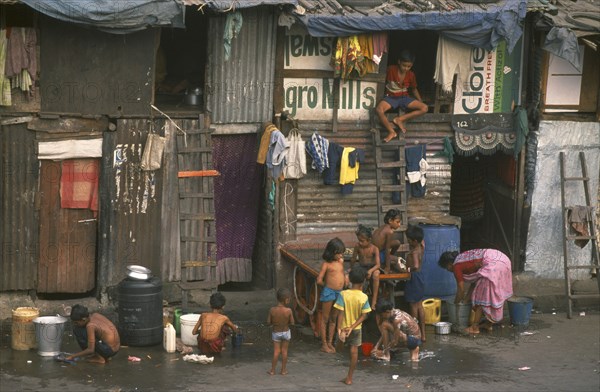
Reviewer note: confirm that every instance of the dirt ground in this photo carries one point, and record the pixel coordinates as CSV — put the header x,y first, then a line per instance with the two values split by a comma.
x,y
553,354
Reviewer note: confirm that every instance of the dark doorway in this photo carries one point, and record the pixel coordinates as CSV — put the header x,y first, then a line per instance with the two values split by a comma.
x,y
483,196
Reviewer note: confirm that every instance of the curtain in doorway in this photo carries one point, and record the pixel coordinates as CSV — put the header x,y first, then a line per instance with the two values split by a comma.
x,y
236,192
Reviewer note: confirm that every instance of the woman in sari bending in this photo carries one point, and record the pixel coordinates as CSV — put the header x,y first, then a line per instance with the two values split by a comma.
x,y
489,273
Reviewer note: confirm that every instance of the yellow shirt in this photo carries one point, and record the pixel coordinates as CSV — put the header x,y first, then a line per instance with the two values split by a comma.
x,y
353,303
348,175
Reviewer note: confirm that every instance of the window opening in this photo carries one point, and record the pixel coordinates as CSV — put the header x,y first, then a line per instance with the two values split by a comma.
x,y
180,64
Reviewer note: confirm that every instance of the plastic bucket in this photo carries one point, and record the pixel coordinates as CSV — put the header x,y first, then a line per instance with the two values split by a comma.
x,y
49,332
237,339
458,314
188,321
23,329
433,310
519,309
366,348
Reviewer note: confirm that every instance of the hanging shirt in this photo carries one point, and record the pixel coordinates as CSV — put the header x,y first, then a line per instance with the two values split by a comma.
x,y
318,147
276,156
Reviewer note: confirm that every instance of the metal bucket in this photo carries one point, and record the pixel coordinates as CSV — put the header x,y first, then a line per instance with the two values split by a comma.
x,y
23,329
49,332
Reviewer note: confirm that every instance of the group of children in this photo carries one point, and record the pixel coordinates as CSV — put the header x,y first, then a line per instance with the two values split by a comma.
x,y
352,305
344,305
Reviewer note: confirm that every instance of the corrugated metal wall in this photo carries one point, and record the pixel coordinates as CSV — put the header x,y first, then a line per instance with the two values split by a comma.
x,y
131,210
19,172
322,209
240,90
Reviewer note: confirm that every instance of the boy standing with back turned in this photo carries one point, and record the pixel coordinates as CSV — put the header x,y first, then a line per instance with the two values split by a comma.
x,y
280,318
353,306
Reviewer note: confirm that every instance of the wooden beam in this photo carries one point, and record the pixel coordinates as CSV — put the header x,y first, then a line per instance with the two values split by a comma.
x,y
198,173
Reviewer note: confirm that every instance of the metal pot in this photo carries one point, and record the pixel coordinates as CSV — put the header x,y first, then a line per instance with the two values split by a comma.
x,y
193,96
442,328
138,272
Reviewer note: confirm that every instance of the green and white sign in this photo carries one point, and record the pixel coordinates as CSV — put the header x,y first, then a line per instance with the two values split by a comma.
x,y
492,85
312,99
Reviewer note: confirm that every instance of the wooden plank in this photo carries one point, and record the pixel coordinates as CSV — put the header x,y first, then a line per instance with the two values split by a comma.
x,y
198,173
16,120
197,285
199,216
194,264
69,125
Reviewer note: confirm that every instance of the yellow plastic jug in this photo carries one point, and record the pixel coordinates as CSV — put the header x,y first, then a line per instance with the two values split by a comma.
x,y
433,310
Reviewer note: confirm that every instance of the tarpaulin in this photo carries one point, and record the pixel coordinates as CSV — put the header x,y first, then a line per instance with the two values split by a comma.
x,y
483,28
117,17
231,5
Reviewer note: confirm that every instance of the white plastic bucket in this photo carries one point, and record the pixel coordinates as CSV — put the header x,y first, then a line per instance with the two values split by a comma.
x,y
188,321
49,331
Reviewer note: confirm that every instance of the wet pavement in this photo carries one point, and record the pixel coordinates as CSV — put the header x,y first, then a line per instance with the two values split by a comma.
x,y
552,354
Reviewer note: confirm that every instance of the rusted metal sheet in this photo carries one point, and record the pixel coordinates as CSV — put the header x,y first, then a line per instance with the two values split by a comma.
x,y
132,228
240,89
19,226
67,252
323,209
95,72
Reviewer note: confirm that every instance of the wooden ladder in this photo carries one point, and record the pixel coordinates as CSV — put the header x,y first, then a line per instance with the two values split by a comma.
x,y
390,171
594,264
196,212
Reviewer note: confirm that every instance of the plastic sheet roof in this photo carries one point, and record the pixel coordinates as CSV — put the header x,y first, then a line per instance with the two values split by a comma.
x,y
118,17
231,5
566,22
483,25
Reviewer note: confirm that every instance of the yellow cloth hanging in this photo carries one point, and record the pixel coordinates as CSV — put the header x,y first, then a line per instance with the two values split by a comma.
x,y
348,175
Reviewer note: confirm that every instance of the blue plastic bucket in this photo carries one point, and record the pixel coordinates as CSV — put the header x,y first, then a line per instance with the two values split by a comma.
x,y
237,339
519,309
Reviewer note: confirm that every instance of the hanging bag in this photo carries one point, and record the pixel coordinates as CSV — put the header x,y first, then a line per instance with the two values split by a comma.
x,y
296,158
153,152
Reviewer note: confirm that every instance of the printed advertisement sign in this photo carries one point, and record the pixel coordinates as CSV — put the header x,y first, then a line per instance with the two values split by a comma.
x,y
312,98
492,85
305,52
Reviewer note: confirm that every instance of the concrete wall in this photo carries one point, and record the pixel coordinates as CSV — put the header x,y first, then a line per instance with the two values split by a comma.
x,y
544,251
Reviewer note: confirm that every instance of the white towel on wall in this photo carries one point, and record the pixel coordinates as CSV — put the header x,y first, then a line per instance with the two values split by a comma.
x,y
453,57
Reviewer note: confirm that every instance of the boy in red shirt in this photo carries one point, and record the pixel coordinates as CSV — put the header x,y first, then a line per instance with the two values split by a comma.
x,y
400,82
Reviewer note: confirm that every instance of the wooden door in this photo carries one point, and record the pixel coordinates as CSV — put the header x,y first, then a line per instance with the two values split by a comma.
x,y
67,261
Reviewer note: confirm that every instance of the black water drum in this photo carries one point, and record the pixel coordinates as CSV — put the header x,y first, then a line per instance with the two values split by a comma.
x,y
140,312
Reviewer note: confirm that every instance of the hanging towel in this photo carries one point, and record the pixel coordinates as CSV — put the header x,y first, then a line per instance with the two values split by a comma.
x,y
453,57
233,25
79,184
579,218
264,143
415,163
318,148
296,157
5,96
277,154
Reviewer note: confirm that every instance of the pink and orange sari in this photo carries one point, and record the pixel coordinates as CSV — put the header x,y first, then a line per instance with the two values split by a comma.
x,y
493,281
